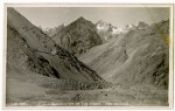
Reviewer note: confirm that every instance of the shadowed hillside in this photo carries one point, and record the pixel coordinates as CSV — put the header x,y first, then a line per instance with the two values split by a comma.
x,y
41,53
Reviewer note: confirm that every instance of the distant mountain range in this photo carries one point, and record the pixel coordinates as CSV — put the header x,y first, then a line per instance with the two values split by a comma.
x,y
105,30
81,35
108,31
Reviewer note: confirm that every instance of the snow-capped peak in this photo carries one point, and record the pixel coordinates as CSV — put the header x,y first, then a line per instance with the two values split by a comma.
x,y
102,25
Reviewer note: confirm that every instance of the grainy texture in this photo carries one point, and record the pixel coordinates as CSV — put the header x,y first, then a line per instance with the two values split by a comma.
x,y
86,63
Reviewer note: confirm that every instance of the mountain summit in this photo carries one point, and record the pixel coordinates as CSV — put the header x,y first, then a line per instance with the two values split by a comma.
x,y
81,19
78,37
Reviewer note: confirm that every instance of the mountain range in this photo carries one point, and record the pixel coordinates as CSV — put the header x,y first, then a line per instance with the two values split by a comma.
x,y
137,54
87,62
105,30
137,57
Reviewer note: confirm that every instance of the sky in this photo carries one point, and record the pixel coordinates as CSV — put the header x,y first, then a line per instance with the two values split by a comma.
x,y
49,17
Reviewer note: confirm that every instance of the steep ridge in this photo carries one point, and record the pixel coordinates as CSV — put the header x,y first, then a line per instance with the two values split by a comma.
x,y
137,57
36,50
78,37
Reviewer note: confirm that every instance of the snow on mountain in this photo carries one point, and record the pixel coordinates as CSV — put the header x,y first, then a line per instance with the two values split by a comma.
x,y
138,57
102,25
135,62
108,31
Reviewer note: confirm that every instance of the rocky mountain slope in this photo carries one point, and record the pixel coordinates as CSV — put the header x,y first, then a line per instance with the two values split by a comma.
x,y
137,57
53,31
135,62
78,37
29,48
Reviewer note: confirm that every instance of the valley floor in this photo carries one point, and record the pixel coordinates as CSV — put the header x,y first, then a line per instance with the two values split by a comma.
x,y
26,88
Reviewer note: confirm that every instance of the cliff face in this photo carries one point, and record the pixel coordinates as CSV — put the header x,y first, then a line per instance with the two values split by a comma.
x,y
31,49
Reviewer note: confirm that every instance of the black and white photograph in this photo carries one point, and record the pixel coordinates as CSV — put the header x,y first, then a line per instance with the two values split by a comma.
x,y
88,55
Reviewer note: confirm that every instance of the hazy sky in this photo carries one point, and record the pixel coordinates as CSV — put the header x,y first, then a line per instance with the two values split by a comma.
x,y
48,17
